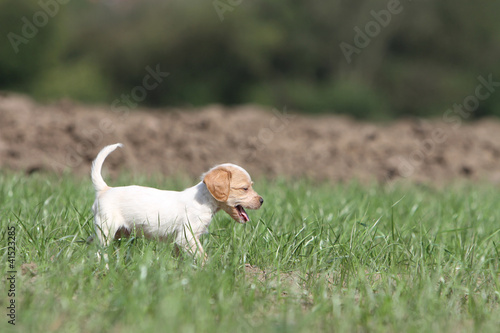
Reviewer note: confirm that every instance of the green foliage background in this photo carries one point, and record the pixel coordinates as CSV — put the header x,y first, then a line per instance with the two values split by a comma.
x,y
426,59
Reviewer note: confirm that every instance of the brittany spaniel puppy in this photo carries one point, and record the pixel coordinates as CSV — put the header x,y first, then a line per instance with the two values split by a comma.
x,y
181,216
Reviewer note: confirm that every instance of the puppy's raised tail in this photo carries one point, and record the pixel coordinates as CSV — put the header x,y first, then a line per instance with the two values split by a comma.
x,y
99,183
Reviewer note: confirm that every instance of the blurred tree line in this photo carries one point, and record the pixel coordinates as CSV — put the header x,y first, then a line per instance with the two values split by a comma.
x,y
371,59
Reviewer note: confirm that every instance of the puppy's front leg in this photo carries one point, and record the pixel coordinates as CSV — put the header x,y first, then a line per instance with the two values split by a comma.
x,y
106,259
195,248
192,245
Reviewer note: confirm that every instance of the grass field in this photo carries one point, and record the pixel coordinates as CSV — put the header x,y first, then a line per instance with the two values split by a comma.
x,y
315,258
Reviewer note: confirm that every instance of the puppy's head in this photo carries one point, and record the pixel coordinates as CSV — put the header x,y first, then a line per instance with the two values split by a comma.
x,y
231,186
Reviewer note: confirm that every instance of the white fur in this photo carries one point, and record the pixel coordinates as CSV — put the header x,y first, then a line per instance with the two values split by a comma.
x,y
99,183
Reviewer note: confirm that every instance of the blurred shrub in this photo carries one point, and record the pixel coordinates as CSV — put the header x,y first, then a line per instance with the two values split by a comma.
x,y
81,80
23,58
359,101
278,53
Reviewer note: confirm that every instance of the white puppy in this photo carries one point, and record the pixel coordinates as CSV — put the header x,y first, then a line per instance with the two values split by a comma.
x,y
181,216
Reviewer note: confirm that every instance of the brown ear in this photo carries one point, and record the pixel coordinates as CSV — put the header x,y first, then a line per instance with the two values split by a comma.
x,y
218,181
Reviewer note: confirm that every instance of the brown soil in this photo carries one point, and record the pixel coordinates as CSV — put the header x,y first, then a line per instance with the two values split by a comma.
x,y
67,136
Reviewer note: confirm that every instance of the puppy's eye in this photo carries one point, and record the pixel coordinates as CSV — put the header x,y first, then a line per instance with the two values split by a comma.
x,y
245,188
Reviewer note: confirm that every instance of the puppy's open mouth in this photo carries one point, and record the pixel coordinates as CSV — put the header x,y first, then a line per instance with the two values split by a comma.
x,y
242,214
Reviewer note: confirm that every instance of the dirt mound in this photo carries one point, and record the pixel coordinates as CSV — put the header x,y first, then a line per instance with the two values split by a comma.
x,y
67,136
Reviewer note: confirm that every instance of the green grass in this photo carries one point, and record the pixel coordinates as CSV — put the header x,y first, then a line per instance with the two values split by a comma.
x,y
315,258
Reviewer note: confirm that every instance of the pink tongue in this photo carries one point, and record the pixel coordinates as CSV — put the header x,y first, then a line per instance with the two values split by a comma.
x,y
245,216
243,213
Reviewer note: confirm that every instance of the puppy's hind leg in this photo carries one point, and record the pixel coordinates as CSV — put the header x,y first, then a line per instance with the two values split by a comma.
x,y
105,230
105,233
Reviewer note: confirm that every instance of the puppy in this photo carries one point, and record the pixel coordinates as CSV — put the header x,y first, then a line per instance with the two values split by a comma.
x,y
182,216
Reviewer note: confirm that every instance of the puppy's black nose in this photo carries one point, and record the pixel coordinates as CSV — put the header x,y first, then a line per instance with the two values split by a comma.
x,y
261,200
